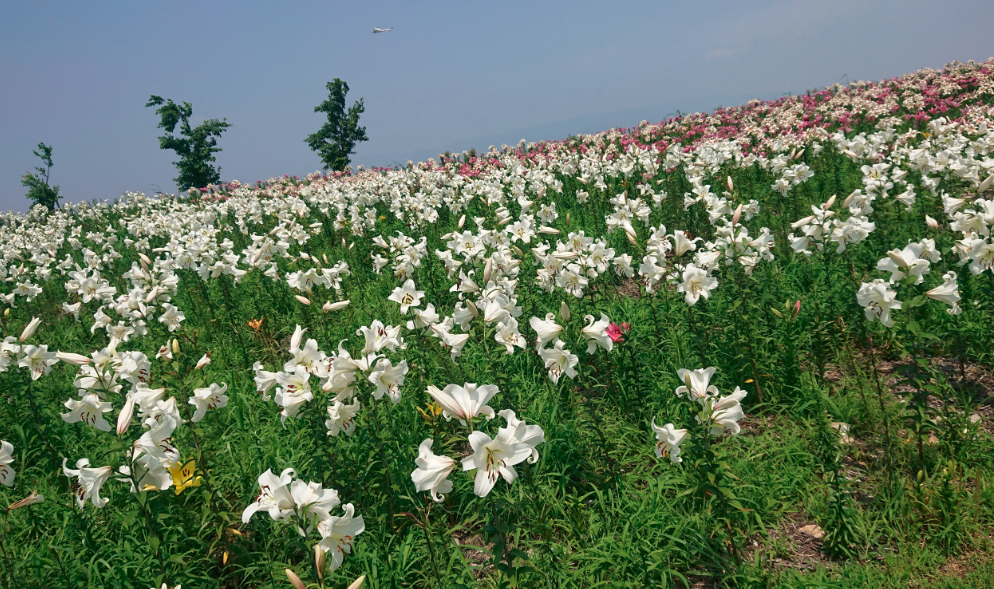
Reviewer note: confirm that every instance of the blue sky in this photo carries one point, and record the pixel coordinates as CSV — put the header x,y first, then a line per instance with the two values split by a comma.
x,y
452,75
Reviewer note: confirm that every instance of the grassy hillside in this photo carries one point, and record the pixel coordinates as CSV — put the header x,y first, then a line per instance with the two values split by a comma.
x,y
748,348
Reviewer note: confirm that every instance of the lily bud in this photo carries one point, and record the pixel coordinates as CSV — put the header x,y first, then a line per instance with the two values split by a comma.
x,y
144,258
6,312
986,183
829,204
505,221
472,308
548,230
31,499
30,329
517,251
462,220
124,419
74,359
568,219
320,561
845,203
294,579
731,186
330,306
175,346
564,311
897,259
793,152
931,222
303,300
488,270
797,309
631,238
204,361
357,583
737,214
325,258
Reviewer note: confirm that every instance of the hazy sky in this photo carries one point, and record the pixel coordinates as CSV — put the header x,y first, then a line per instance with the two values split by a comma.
x,y
452,75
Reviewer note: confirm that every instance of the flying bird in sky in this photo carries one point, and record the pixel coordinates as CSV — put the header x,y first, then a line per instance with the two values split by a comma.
x,y
379,30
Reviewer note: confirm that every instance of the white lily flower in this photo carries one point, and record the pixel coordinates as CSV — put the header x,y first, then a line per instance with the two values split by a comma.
x,y
338,533
948,293
388,379
7,473
89,410
341,417
212,397
726,413
38,360
494,458
274,496
432,472
558,361
596,333
528,435
464,402
88,481
406,296
696,283
878,300
313,503
668,440
507,334
696,383
546,330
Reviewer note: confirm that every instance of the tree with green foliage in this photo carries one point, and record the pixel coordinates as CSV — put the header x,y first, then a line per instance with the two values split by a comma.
x,y
39,192
336,140
195,146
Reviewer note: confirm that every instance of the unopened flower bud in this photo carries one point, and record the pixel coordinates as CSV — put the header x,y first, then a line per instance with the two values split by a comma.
x,y
731,186
325,258
986,183
631,238
204,361
517,251
462,220
737,214
845,203
931,222
488,270
564,311
70,358
31,499
829,204
303,300
545,229
797,309
30,329
568,219
357,583
320,561
472,308
330,306
294,579
124,419
175,346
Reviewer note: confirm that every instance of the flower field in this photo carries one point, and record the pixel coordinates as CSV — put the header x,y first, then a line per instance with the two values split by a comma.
x,y
745,348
